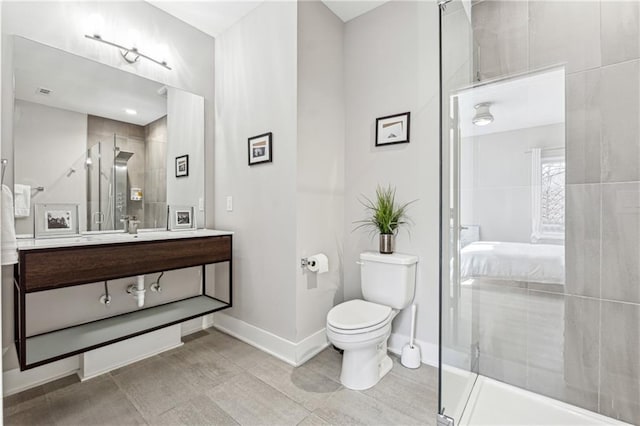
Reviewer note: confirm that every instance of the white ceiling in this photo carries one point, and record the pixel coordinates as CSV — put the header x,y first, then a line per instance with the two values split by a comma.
x,y
349,9
211,17
214,16
516,103
82,85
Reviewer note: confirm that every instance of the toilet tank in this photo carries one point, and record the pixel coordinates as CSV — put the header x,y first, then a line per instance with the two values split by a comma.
x,y
388,279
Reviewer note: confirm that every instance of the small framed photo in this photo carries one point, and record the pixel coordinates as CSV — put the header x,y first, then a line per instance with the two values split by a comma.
x,y
182,166
393,129
260,149
56,220
181,217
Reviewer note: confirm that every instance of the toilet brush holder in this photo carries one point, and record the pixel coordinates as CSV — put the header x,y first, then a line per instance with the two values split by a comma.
x,y
410,357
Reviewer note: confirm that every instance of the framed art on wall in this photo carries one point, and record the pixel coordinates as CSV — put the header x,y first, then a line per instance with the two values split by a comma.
x,y
260,149
393,129
182,166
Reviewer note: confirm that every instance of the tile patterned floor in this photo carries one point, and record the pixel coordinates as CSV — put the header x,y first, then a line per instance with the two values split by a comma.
x,y
215,379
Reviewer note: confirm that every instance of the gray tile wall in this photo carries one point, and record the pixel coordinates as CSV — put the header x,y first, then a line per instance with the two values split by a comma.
x,y
599,42
155,201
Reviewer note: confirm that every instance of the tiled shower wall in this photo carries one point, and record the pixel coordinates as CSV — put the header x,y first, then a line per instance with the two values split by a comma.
x,y
599,43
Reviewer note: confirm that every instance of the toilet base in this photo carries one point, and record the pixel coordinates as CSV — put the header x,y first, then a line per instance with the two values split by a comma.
x,y
363,368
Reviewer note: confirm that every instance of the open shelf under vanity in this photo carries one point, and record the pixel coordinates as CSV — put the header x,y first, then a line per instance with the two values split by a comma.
x,y
39,269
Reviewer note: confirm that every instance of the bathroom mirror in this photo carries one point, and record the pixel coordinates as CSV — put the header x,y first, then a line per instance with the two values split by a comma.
x,y
107,140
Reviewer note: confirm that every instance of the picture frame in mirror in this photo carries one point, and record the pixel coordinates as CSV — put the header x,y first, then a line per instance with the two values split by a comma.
x,y
56,220
182,166
181,218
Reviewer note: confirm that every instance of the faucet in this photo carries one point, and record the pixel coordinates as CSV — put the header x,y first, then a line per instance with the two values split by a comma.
x,y
125,219
133,225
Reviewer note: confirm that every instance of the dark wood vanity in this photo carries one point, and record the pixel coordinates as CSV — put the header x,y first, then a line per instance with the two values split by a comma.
x,y
49,267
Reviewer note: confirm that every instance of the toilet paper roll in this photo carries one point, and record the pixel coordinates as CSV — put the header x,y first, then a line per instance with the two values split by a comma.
x,y
318,263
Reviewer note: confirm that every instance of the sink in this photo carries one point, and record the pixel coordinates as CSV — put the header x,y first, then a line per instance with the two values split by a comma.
x,y
99,238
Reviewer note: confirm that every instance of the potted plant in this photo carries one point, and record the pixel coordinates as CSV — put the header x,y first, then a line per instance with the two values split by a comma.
x,y
385,216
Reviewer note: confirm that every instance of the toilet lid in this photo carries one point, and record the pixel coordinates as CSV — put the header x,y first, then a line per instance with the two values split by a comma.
x,y
356,314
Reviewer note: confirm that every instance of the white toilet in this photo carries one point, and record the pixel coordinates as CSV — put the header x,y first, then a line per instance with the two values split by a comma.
x,y
361,327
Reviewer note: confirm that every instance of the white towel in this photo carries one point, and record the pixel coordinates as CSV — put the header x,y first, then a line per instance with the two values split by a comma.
x,y
23,199
8,231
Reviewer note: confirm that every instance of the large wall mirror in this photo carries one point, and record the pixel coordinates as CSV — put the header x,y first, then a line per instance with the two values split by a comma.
x,y
103,139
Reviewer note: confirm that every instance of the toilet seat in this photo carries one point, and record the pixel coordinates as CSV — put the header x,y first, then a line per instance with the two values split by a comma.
x,y
358,316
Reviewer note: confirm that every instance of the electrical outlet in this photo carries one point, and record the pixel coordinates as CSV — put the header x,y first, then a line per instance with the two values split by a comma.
x,y
201,204
229,203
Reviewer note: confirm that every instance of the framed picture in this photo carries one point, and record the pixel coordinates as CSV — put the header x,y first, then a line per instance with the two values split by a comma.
x,y
181,217
260,149
393,129
56,220
182,166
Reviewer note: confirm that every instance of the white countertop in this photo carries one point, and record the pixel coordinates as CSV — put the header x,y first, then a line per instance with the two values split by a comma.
x,y
115,237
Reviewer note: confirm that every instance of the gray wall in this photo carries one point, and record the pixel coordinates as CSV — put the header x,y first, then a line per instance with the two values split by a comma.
x,y
185,126
265,82
598,41
56,138
155,178
391,66
256,93
320,162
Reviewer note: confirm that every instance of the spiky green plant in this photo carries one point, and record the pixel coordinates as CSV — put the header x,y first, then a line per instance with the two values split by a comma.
x,y
384,214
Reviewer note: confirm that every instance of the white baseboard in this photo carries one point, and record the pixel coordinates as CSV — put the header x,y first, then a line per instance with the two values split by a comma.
x,y
16,381
428,351
292,353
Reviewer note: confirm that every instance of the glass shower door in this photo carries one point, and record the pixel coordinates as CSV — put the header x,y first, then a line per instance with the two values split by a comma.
x,y
100,186
458,352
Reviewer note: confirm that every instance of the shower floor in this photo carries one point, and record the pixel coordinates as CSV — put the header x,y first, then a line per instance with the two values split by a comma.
x,y
495,403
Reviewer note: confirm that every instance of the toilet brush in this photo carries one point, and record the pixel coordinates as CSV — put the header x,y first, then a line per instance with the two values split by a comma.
x,y
411,353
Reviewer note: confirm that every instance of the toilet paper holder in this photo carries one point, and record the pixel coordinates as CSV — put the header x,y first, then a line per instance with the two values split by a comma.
x,y
304,262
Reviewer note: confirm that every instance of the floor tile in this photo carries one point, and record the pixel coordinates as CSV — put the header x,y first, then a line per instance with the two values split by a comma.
x,y
240,353
425,375
199,411
154,386
252,402
38,415
203,367
328,363
216,379
302,384
96,401
352,407
312,420
24,400
411,398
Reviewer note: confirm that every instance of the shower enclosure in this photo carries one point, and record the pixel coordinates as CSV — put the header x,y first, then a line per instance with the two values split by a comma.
x,y
540,288
107,185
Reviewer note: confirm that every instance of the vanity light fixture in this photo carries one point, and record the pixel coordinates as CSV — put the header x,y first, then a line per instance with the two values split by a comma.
x,y
131,55
483,116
